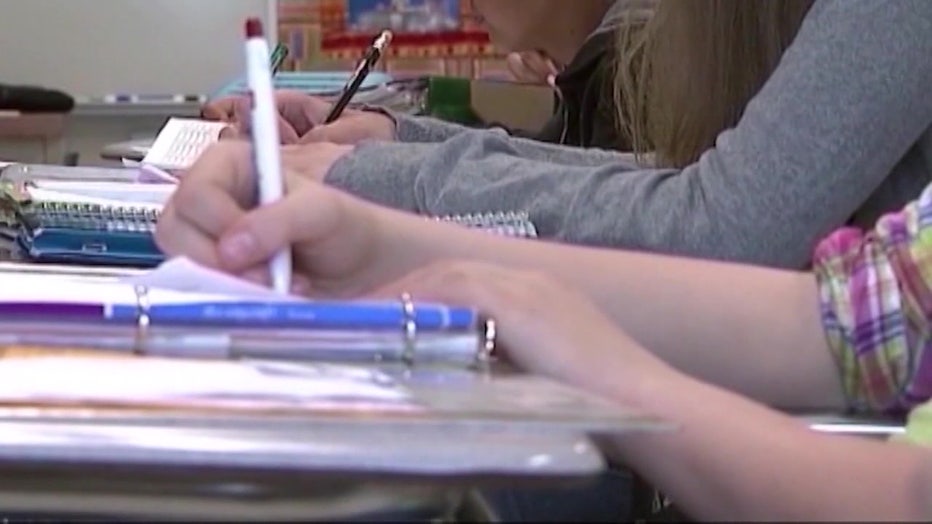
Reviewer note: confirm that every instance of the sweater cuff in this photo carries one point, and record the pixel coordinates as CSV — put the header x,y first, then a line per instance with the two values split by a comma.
x,y
381,172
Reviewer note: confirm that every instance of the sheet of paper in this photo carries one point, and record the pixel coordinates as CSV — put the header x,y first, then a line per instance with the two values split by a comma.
x,y
183,275
77,289
177,281
181,142
106,193
187,383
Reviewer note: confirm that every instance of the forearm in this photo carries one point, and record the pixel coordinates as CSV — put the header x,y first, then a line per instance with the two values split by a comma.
x,y
735,326
736,460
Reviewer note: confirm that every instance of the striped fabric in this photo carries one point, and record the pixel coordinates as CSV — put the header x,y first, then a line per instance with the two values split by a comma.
x,y
876,304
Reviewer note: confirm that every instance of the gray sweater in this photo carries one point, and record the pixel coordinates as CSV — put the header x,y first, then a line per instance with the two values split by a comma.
x,y
841,133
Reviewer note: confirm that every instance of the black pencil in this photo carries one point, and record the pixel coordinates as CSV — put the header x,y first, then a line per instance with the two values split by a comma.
x,y
359,75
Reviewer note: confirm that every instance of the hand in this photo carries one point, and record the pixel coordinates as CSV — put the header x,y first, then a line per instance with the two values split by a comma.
x,y
312,161
300,119
352,127
298,113
532,67
543,326
334,237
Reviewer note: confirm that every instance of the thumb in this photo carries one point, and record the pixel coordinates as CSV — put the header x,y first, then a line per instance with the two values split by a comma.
x,y
308,216
214,113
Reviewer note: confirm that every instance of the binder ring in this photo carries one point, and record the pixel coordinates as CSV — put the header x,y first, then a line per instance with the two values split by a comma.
x,y
487,352
143,321
410,329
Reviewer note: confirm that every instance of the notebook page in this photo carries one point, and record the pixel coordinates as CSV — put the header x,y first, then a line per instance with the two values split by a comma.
x,y
181,142
37,288
121,193
181,274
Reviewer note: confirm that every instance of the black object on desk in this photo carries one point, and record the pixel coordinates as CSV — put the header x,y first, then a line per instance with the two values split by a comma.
x,y
32,99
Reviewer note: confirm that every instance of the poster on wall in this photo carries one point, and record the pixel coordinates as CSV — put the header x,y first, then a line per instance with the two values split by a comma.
x,y
403,16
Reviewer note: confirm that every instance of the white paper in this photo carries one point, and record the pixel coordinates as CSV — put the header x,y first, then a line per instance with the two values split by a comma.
x,y
178,281
177,381
116,194
75,289
183,275
180,143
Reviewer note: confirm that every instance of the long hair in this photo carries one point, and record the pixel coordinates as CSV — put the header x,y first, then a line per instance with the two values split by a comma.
x,y
688,73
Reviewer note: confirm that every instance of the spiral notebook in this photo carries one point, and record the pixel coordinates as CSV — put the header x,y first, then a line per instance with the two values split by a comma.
x,y
52,227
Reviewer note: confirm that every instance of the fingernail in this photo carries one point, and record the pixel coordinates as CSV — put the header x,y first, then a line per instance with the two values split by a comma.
x,y
236,249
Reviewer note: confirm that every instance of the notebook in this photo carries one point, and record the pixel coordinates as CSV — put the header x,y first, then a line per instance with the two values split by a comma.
x,y
112,223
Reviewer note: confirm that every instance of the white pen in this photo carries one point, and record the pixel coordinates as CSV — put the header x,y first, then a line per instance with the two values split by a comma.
x,y
265,139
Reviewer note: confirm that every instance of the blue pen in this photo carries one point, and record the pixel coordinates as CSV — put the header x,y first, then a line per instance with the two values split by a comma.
x,y
303,315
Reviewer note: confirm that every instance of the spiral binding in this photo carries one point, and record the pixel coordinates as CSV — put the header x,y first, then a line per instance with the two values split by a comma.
x,y
511,223
92,217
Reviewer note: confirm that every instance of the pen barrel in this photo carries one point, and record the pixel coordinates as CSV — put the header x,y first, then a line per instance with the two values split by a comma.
x,y
266,141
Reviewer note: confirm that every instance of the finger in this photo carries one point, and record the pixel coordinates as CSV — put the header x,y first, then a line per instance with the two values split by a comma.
x,y
286,132
519,69
229,133
216,190
309,216
348,131
304,112
218,110
175,237
539,64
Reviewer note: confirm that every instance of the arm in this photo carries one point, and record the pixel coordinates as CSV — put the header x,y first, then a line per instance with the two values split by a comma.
x,y
772,316
814,144
736,460
727,458
424,128
871,296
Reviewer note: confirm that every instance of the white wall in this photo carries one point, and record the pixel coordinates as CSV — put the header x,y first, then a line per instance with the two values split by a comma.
x,y
92,48
99,47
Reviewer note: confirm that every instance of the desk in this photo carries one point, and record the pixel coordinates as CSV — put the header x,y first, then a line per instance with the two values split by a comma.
x,y
217,468
31,137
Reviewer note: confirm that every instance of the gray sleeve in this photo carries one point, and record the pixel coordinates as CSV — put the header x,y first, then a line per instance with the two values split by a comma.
x,y
848,100
424,128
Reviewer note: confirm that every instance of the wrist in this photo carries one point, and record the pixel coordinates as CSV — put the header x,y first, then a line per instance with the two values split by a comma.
x,y
391,123
638,380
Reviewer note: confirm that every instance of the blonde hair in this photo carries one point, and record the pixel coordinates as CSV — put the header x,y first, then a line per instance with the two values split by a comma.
x,y
688,73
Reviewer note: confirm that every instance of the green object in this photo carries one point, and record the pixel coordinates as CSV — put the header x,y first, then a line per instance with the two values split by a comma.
x,y
450,99
279,54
